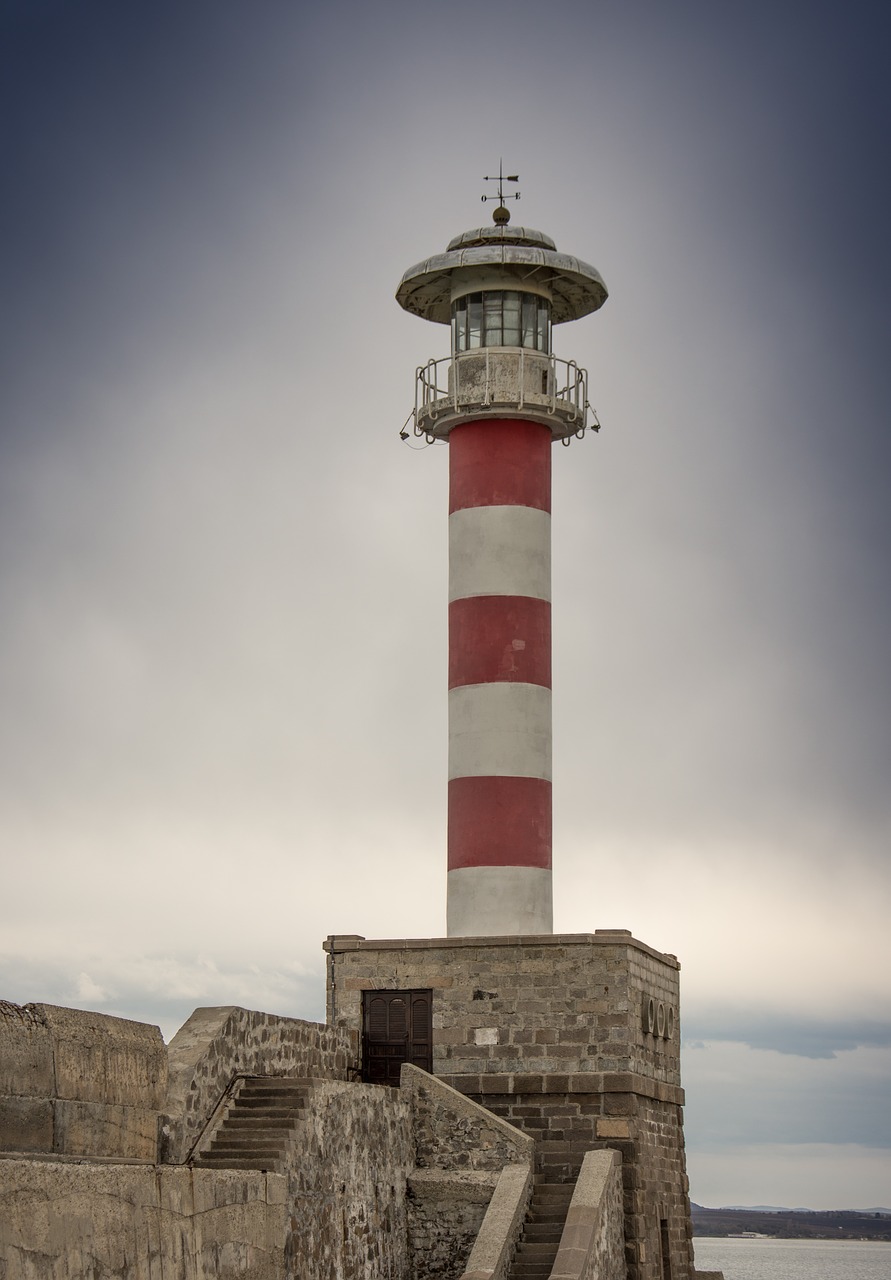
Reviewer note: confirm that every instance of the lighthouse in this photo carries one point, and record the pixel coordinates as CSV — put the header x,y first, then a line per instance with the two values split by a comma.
x,y
571,1038
501,399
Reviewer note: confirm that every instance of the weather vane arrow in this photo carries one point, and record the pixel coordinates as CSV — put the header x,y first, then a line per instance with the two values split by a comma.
x,y
501,179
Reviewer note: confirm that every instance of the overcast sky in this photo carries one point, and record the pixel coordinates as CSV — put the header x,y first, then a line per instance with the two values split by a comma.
x,y
223,576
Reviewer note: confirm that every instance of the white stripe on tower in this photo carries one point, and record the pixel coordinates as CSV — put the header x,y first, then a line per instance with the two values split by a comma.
x,y
499,678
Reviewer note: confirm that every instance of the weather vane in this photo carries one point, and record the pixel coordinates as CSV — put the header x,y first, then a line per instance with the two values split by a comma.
x,y
501,215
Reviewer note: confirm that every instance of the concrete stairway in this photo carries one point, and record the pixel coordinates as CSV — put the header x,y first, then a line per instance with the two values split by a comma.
x,y
542,1230
258,1123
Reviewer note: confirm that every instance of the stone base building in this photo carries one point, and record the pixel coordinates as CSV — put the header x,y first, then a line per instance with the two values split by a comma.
x,y
574,1039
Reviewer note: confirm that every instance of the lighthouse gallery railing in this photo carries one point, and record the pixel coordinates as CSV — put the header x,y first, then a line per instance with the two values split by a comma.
x,y
544,385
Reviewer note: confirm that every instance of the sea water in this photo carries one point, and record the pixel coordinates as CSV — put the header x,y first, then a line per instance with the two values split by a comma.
x,y
794,1259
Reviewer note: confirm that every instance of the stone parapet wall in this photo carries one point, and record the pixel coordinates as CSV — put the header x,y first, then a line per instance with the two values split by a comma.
x,y
446,1211
496,1243
217,1044
592,1245
74,1221
393,1184
347,1171
452,1132
461,1153
75,1083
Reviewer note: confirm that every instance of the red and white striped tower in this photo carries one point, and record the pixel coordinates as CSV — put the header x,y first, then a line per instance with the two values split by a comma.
x,y
500,399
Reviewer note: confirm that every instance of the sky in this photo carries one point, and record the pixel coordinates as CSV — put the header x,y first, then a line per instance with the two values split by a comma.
x,y
223,574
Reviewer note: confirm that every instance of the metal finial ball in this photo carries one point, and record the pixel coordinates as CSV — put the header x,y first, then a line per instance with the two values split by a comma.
x,y
501,216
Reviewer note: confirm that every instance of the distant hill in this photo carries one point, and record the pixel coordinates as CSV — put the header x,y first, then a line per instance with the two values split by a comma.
x,y
776,1208
793,1224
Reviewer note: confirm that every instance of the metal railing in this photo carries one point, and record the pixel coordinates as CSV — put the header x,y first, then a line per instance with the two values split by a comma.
x,y
562,392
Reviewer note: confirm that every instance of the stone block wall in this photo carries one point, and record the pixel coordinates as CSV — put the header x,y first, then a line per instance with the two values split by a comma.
x,y
74,1083
460,1151
450,1132
216,1044
73,1221
572,1038
556,1004
347,1174
645,1127
445,1214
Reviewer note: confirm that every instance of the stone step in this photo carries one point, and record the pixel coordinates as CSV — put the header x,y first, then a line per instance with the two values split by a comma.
x,y
542,1232
555,1214
280,1118
259,1101
266,1084
250,1141
238,1159
533,1251
272,1089
258,1124
265,1165
534,1267
233,1125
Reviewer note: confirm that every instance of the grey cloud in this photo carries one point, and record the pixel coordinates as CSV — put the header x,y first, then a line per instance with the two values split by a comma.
x,y
742,1097
786,1032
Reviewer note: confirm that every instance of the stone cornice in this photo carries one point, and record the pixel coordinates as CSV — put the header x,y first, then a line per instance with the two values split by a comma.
x,y
337,944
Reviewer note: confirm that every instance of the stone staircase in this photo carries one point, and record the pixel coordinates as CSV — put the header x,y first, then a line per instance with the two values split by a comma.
x,y
542,1230
258,1123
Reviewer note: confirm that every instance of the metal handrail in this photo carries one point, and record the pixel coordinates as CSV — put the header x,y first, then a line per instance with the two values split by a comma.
x,y
566,390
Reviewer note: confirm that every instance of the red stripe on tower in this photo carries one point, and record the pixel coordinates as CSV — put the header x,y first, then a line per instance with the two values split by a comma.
x,y
491,818
508,464
499,638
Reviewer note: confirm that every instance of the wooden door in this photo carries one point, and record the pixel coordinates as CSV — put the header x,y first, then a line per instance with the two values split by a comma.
x,y
397,1027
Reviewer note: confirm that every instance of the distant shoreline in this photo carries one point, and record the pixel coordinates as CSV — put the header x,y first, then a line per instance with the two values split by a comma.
x,y
784,1224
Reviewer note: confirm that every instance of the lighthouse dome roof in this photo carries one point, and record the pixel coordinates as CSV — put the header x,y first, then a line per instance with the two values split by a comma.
x,y
517,255
501,235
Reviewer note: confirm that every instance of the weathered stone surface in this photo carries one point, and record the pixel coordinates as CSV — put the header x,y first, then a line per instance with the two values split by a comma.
x,y
72,1221
346,1172
561,1004
26,1124
446,1210
461,1150
98,1058
93,1129
451,1132
217,1044
352,1204
26,1053
592,1246
79,1083
498,1236
612,1128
